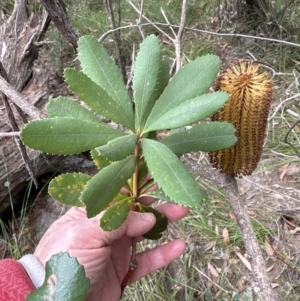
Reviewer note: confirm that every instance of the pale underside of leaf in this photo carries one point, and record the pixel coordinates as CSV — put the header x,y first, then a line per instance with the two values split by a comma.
x,y
71,281
204,137
170,174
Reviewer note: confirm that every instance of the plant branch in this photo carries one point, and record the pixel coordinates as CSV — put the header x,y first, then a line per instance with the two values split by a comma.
x,y
178,38
57,12
148,20
237,35
117,36
15,128
19,99
133,264
261,283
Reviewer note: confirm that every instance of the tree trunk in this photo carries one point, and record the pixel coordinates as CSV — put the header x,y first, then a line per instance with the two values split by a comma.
x,y
21,37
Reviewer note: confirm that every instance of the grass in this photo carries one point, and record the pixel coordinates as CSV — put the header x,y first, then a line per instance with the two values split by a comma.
x,y
210,268
16,233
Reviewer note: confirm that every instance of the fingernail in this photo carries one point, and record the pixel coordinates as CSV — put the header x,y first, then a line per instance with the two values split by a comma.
x,y
147,216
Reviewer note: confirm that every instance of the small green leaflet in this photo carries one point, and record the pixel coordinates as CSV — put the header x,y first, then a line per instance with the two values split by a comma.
x,y
206,137
66,136
171,175
146,71
119,148
160,226
101,69
106,184
190,111
192,80
71,281
65,107
67,188
95,97
115,215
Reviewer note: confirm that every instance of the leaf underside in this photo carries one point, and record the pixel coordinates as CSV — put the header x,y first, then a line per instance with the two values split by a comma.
x,y
71,281
160,226
171,175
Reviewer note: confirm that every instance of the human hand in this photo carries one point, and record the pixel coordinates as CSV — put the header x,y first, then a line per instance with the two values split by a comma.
x,y
106,255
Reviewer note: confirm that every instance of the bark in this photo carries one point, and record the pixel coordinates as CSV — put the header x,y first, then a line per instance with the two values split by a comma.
x,y
26,82
58,15
261,283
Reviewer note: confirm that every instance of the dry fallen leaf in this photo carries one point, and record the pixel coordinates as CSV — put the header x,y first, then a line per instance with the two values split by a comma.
x,y
212,270
225,235
244,260
269,249
209,245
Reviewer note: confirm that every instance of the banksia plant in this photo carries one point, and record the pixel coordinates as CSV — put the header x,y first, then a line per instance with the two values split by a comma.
x,y
248,108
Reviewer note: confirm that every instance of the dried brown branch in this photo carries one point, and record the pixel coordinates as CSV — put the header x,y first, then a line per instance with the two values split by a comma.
x,y
15,128
18,99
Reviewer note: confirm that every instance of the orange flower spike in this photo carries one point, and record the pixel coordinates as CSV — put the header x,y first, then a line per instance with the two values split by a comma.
x,y
247,109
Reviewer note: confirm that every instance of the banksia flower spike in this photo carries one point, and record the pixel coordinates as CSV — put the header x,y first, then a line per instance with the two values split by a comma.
x,y
247,109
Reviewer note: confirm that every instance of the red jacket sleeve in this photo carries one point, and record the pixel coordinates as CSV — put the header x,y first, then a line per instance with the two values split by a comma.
x,y
15,284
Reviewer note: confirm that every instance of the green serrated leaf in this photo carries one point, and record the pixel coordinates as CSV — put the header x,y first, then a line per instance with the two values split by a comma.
x,y
147,67
66,136
190,111
99,160
101,69
115,215
160,226
71,281
106,184
119,148
158,194
192,80
66,188
162,82
207,137
65,107
95,97
170,174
